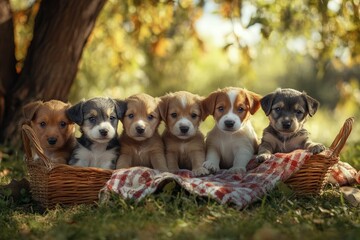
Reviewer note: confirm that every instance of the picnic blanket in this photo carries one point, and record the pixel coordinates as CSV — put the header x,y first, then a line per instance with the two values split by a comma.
x,y
238,189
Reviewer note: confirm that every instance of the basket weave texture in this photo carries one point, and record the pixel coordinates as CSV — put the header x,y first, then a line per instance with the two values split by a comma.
x,y
53,183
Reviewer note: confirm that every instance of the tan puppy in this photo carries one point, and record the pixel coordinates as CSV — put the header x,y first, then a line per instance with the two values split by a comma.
x,y
141,144
184,143
232,142
52,127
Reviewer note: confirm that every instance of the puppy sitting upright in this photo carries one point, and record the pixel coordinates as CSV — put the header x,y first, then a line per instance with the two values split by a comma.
x,y
184,143
53,128
232,142
287,110
141,142
98,120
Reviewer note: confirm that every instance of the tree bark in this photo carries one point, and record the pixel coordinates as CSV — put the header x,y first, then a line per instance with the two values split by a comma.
x,y
8,74
60,34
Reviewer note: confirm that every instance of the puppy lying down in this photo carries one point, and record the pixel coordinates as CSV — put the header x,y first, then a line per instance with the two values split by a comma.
x,y
287,110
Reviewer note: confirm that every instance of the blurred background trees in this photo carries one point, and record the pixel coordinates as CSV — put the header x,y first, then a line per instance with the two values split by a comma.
x,y
199,46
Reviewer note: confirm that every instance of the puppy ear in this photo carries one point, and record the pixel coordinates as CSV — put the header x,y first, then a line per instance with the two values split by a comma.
x,y
208,104
120,108
75,114
266,103
312,104
254,101
163,105
204,113
30,109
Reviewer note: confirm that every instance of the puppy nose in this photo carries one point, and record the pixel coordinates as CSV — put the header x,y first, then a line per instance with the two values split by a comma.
x,y
140,130
229,123
184,129
52,140
103,132
286,124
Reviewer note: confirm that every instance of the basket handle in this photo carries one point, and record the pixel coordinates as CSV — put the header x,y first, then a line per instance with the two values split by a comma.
x,y
342,136
30,140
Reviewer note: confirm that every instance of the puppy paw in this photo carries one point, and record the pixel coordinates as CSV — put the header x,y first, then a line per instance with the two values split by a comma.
x,y
236,170
212,167
200,171
318,148
263,157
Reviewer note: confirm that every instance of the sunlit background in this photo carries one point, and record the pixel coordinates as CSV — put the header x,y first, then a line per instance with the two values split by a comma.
x,y
162,46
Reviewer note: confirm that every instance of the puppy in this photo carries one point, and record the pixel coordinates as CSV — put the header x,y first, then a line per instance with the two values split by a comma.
x,y
184,143
287,110
98,145
232,142
141,142
53,128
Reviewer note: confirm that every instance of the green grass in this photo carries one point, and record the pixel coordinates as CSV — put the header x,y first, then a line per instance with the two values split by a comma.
x,y
175,214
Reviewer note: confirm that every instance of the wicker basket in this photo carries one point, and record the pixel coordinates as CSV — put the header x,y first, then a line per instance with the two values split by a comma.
x,y
313,174
53,183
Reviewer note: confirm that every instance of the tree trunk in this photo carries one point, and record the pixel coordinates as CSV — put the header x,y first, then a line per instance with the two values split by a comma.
x,y
8,74
60,34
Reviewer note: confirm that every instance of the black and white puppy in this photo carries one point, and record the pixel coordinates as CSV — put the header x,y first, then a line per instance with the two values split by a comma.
x,y
98,145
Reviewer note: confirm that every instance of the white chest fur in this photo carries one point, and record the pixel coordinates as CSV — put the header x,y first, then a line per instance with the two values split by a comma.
x,y
96,156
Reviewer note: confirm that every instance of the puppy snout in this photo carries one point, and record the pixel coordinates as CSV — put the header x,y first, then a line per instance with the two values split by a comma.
x,y
103,132
184,129
140,129
229,123
52,140
286,124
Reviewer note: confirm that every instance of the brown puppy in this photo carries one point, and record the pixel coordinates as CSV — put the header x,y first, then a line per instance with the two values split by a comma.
x,y
141,144
287,110
232,142
184,143
52,127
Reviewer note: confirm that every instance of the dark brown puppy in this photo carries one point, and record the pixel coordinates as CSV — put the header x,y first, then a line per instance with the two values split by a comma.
x,y
287,110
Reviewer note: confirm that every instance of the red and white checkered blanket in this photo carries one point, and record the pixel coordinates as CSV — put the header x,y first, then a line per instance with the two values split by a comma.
x,y
241,190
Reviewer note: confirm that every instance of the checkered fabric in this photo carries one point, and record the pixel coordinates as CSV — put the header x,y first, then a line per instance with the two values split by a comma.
x,y
343,174
240,190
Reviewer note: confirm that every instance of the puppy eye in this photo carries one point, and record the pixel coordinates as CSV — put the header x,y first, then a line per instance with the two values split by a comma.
x,y
277,109
221,109
112,118
240,109
173,115
43,124
131,116
299,112
63,124
92,119
150,117
194,115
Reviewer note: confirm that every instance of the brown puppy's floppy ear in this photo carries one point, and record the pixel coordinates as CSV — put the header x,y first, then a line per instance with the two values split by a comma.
x,y
75,114
163,105
204,113
120,108
312,104
254,101
30,109
208,104
267,102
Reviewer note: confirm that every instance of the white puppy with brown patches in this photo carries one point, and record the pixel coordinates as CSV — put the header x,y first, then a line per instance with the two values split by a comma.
x,y
232,142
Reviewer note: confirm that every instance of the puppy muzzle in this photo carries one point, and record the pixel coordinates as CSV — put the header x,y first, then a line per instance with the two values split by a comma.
x,y
52,140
